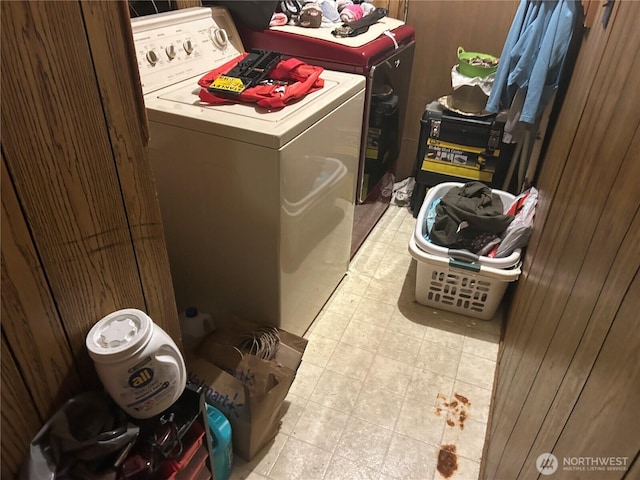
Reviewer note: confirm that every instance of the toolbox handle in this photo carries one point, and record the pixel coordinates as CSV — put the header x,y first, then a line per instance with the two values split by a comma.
x,y
463,255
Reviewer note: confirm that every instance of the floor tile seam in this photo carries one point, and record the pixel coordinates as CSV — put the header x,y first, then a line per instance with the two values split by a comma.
x,y
395,424
485,328
369,420
368,369
324,336
313,391
352,345
467,458
380,244
391,432
328,356
303,441
277,457
443,344
339,310
420,339
458,364
475,328
293,427
427,370
455,377
459,349
402,395
337,454
372,323
360,319
367,247
308,443
351,416
437,447
348,321
411,364
483,440
489,390
474,421
483,358
469,337
447,377
350,377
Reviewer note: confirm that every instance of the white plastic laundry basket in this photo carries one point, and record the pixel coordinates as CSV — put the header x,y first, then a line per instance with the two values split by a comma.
x,y
420,233
456,286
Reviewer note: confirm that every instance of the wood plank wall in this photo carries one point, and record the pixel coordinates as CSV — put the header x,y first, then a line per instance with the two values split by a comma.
x,y
567,380
81,225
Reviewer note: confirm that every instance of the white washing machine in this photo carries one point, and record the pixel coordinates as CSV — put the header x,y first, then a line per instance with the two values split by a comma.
x,y
257,206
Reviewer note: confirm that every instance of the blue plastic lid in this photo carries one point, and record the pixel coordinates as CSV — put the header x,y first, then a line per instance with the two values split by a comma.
x,y
191,312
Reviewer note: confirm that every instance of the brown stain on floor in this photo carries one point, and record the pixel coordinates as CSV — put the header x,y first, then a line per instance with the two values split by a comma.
x,y
447,460
456,409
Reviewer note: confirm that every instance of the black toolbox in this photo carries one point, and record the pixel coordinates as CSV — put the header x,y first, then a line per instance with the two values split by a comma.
x,y
458,148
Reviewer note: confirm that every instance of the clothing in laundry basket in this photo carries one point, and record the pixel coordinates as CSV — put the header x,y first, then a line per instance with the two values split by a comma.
x,y
469,217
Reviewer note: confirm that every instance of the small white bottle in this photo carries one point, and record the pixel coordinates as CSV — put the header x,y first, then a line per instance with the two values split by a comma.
x,y
138,363
195,325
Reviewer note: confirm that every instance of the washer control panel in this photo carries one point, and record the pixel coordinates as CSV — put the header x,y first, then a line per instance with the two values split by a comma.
x,y
182,44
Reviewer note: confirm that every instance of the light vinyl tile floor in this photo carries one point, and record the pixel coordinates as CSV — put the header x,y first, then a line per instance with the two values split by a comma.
x,y
384,381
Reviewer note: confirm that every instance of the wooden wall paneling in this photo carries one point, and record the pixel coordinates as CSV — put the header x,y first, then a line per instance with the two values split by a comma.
x,y
582,87
612,392
396,7
591,8
634,470
539,265
20,418
587,167
441,27
595,272
603,108
57,150
30,321
608,310
111,42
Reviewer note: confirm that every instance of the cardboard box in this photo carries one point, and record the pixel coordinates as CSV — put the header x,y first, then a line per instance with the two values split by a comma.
x,y
247,389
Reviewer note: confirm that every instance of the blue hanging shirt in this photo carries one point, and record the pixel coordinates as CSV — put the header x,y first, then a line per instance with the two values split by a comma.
x,y
533,55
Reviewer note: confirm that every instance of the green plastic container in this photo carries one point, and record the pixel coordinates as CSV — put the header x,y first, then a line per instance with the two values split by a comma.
x,y
465,68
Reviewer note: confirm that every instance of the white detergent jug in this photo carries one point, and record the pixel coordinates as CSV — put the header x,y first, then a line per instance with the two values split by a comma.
x,y
138,363
195,325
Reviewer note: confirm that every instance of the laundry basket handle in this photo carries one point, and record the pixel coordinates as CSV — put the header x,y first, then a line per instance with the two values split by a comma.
x,y
463,255
472,267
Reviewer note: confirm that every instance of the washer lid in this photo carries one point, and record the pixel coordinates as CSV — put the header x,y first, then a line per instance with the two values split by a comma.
x,y
180,106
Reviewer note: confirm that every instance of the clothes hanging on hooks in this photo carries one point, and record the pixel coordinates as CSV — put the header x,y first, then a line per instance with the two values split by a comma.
x,y
533,55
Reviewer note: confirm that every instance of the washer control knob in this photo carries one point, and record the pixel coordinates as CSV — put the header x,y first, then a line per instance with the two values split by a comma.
x,y
219,37
188,47
152,57
171,51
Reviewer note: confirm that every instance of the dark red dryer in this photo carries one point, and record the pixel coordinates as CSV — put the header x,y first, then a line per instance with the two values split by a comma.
x,y
384,55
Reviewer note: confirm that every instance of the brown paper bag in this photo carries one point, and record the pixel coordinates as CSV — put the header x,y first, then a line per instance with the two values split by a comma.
x,y
247,389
